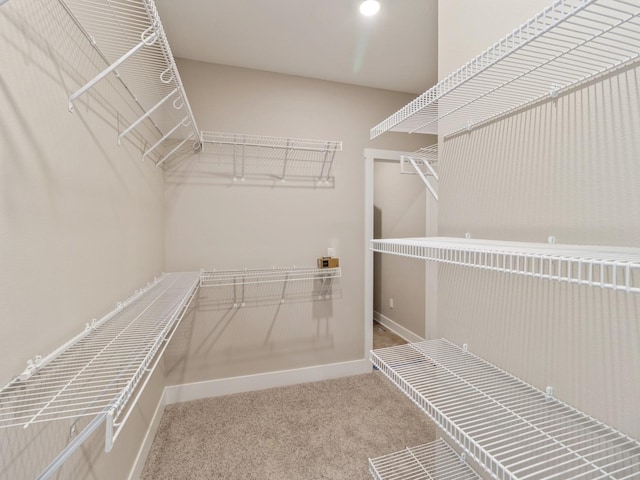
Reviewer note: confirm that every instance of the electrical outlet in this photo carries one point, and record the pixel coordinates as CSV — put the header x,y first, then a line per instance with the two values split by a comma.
x,y
391,303
331,252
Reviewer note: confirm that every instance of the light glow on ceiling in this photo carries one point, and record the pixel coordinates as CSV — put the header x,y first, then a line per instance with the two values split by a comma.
x,y
369,7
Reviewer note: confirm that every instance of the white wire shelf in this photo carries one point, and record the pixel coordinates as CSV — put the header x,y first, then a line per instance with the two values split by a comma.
x,y
431,461
240,279
218,278
616,268
129,36
278,158
570,42
512,429
424,163
97,373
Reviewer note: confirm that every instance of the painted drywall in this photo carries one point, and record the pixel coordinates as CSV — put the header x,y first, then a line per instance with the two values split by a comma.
x,y
567,168
213,222
81,219
400,205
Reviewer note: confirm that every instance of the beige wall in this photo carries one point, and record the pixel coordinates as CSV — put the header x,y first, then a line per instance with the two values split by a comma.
x,y
213,223
567,168
81,219
399,211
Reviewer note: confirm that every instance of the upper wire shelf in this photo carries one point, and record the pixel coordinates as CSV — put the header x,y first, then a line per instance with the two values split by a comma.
x,y
570,42
276,158
424,163
97,373
616,268
129,36
432,461
513,430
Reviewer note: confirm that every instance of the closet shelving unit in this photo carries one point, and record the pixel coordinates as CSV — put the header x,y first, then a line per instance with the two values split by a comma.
x,y
570,42
97,377
424,163
219,278
129,37
239,279
513,430
431,461
616,268
279,158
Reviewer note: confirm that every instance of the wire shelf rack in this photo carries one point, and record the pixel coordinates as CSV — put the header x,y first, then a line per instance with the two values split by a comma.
x,y
129,36
97,373
570,42
424,163
431,461
616,268
240,279
277,158
512,429
218,278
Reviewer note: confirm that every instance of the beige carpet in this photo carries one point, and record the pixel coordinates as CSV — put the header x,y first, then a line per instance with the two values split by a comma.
x,y
322,430
383,337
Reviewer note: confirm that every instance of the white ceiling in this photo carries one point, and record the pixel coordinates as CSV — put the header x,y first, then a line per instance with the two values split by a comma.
x,y
325,39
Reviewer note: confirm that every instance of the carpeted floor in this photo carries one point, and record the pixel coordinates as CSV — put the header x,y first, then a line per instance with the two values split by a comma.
x,y
321,430
383,337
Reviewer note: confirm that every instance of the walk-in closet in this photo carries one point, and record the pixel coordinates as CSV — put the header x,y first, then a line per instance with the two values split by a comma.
x,y
389,240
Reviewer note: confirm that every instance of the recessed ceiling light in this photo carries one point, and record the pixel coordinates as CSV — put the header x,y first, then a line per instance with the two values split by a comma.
x,y
369,7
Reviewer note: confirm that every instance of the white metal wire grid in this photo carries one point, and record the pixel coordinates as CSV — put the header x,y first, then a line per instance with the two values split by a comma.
x,y
423,163
99,372
512,429
425,157
570,42
614,268
117,27
431,461
281,158
218,278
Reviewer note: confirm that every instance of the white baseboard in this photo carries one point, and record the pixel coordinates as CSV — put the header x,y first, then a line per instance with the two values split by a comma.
x,y
399,330
145,448
261,381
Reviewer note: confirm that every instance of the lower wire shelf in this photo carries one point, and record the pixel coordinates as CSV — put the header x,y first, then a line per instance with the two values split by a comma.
x,y
431,461
513,430
99,374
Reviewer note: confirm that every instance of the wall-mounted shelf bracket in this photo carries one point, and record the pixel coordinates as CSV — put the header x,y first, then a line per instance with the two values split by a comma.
x,y
146,41
129,38
423,163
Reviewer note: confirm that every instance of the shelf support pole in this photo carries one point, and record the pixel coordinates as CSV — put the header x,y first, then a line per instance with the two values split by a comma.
x,y
286,157
89,85
146,114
